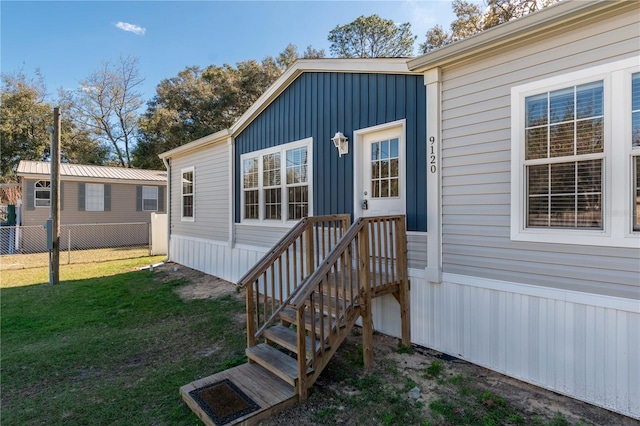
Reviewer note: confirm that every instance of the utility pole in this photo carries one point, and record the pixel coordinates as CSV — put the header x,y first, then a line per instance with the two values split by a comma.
x,y
54,278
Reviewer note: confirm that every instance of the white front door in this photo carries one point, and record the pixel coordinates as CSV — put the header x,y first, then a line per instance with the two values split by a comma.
x,y
380,171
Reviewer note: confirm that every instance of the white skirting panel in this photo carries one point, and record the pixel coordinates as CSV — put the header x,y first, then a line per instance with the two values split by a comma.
x,y
582,345
213,257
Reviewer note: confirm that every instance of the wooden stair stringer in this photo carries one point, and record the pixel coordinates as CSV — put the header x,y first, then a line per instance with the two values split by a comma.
x,y
341,335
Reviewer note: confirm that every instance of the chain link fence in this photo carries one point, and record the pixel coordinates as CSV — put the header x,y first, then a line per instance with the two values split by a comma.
x,y
26,246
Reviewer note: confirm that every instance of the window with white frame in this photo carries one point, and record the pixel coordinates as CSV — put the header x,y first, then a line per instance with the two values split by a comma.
x,y
573,155
150,198
564,153
187,192
94,197
635,148
276,184
42,193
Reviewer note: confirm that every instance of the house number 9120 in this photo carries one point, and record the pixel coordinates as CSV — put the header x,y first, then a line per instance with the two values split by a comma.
x,y
432,155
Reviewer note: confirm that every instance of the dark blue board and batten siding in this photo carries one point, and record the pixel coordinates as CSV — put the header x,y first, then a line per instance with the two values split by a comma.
x,y
319,104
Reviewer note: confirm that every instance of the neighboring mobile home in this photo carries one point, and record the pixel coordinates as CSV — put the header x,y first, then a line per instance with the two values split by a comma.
x,y
91,195
514,155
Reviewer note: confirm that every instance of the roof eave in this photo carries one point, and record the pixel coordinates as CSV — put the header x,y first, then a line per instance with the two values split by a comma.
x,y
67,178
213,138
510,32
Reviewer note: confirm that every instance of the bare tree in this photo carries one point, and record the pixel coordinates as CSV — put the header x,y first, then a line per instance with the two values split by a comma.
x,y
108,103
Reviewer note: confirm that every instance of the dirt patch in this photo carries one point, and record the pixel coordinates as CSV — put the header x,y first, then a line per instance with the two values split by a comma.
x,y
200,285
410,385
406,389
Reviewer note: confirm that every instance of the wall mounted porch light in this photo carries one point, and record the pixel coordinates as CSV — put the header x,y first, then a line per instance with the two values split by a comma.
x,y
341,142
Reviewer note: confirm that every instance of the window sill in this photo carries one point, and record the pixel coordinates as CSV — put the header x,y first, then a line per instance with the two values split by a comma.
x,y
577,237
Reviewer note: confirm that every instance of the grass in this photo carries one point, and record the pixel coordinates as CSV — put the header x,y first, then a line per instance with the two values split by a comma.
x,y
39,260
110,349
367,396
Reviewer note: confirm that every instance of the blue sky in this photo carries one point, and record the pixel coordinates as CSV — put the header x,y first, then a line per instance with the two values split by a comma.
x,y
67,40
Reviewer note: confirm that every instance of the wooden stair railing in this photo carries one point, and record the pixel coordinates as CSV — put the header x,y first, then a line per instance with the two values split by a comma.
x,y
370,260
275,278
304,307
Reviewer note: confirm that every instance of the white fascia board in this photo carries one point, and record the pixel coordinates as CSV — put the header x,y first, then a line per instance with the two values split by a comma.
x,y
213,138
369,65
509,32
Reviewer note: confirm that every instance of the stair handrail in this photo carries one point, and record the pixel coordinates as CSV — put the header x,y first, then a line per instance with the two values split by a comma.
x,y
317,240
269,257
310,292
309,284
283,244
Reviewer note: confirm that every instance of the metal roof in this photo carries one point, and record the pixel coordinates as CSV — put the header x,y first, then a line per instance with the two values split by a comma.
x,y
91,171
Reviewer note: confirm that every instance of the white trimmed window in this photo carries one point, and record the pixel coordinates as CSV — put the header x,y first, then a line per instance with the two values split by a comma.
x,y
42,193
94,197
574,164
276,183
635,148
149,198
187,194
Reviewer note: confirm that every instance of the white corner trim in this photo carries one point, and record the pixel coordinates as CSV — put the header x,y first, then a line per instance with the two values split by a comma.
x,y
589,299
433,274
432,81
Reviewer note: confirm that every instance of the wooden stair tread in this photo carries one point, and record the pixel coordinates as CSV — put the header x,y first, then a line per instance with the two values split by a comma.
x,y
330,301
289,315
288,338
280,364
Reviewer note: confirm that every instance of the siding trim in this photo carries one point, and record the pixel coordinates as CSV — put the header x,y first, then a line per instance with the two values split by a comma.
x,y
433,83
597,300
205,240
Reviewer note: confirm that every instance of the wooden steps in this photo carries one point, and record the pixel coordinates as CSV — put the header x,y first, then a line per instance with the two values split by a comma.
x,y
339,296
288,339
288,316
275,361
264,388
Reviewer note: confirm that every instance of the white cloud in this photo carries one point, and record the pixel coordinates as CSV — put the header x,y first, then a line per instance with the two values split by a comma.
x,y
423,15
132,28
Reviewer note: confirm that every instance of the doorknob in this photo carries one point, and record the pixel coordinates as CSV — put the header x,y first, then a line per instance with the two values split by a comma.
x,y
365,205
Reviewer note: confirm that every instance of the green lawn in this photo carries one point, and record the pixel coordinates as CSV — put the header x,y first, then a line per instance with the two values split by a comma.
x,y
111,346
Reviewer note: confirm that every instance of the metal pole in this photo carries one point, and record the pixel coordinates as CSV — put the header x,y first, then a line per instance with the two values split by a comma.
x,y
55,197
69,245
